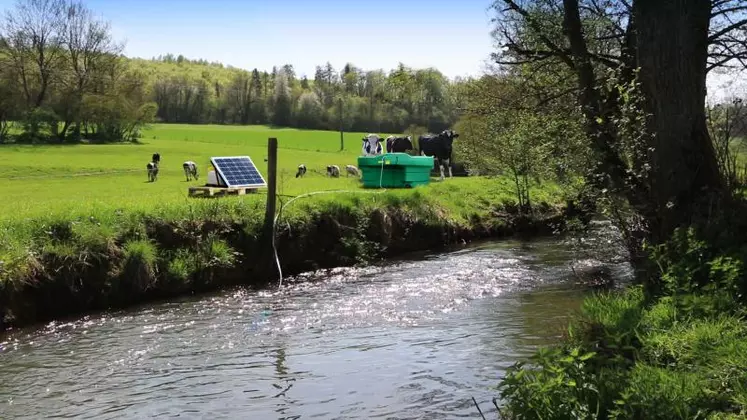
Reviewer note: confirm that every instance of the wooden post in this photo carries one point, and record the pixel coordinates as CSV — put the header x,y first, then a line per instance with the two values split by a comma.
x,y
269,228
342,140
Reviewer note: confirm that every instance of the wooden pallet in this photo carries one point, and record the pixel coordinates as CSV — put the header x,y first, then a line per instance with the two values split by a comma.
x,y
219,191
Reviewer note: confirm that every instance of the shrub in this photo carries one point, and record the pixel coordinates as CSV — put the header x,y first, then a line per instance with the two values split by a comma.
x,y
138,269
558,383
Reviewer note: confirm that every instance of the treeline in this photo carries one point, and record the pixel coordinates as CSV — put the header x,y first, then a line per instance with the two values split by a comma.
x,y
63,77
199,92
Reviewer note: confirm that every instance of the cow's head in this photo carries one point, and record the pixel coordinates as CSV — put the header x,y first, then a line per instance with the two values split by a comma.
x,y
448,137
402,144
450,134
371,144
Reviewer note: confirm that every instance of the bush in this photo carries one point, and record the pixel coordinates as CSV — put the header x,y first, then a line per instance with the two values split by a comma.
x,y
138,268
681,353
181,267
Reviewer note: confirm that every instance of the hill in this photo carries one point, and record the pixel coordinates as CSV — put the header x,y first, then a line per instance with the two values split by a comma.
x,y
195,91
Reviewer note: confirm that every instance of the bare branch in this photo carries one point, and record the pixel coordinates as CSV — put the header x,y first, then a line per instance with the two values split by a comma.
x,y
538,30
726,30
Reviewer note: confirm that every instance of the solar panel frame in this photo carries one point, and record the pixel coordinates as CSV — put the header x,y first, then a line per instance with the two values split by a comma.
x,y
228,174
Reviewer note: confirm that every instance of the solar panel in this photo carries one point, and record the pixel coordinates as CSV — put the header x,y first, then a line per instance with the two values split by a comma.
x,y
238,171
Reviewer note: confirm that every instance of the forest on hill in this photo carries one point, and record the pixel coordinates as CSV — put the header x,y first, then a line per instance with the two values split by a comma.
x,y
63,77
195,91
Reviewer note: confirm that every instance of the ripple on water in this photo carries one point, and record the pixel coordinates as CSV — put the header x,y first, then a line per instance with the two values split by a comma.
x,y
403,340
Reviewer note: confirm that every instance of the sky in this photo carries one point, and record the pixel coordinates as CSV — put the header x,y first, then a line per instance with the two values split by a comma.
x,y
452,36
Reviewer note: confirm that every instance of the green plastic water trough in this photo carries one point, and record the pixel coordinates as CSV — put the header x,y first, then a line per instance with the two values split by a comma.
x,y
400,170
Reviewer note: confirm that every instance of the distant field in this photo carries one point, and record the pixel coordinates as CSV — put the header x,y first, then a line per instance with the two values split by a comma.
x,y
50,179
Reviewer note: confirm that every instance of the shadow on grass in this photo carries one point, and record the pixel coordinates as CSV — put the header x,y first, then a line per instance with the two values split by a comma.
x,y
71,143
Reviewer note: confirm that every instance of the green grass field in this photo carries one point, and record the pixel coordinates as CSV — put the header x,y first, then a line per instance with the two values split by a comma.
x,y
60,178
100,194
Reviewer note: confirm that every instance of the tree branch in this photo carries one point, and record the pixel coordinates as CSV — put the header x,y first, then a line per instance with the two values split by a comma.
x,y
720,12
727,29
533,24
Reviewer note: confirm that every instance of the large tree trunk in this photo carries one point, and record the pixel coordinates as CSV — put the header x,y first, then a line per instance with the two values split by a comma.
x,y
668,41
685,182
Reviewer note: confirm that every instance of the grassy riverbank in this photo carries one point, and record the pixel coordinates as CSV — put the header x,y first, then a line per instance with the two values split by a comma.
x,y
70,263
676,352
121,241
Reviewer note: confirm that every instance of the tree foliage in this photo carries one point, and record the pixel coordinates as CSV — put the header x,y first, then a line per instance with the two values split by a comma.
x,y
62,76
373,100
638,73
504,131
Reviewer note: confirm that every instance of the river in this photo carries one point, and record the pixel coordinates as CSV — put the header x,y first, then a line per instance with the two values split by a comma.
x,y
411,338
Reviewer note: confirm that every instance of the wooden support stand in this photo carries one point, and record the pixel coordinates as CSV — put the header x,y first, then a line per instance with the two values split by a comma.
x,y
219,191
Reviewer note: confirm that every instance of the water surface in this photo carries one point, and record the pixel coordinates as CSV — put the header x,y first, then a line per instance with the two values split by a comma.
x,y
414,338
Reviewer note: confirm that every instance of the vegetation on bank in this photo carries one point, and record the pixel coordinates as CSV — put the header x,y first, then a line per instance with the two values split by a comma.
x,y
668,170
72,262
680,352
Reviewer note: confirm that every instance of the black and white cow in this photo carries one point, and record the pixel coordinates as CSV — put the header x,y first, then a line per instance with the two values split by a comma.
x,y
333,171
372,145
190,170
152,168
301,170
398,144
156,158
352,170
440,147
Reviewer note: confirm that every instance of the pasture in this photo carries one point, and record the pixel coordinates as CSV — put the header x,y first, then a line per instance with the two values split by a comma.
x,y
67,182
77,201
48,179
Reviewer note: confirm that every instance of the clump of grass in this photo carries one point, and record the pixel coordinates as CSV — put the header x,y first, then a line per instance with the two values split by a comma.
x,y
687,344
18,263
138,267
661,393
611,319
218,253
181,266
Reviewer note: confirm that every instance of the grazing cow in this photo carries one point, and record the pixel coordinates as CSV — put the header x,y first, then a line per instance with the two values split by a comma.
x,y
156,158
398,144
301,170
372,145
439,146
352,170
190,170
333,171
152,171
